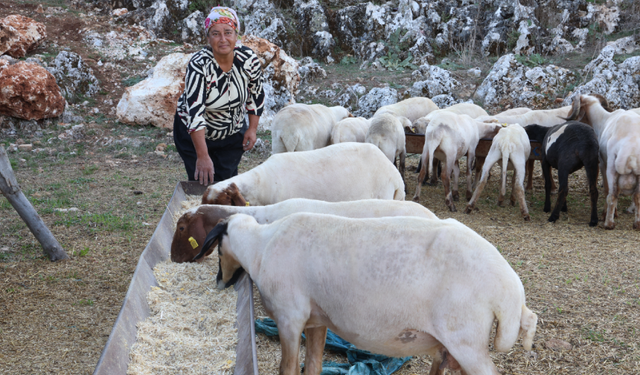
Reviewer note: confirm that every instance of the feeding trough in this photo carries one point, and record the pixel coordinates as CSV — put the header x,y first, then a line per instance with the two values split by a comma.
x,y
415,144
114,359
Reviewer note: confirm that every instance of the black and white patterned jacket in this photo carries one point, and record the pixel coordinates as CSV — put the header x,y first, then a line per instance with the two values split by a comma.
x,y
217,100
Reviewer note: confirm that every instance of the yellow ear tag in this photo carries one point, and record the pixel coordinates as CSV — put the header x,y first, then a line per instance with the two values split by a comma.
x,y
193,242
247,204
504,125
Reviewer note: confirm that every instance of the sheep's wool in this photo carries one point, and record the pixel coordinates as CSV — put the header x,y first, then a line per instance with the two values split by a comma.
x,y
191,328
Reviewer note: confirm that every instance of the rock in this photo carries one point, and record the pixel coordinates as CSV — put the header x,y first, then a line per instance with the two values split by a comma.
x,y
444,100
618,83
192,30
511,83
154,100
431,81
12,147
311,71
29,92
161,147
313,27
19,35
25,147
262,19
281,76
119,12
74,77
556,344
40,9
378,96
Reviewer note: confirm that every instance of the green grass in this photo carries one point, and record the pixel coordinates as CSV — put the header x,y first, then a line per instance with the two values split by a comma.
x,y
99,222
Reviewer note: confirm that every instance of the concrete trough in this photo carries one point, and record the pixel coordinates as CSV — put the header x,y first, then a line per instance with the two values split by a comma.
x,y
114,359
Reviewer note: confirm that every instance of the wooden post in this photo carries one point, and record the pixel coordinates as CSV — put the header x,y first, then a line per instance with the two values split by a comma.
x,y
11,190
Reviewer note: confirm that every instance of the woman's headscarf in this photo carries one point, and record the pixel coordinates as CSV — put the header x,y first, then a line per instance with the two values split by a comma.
x,y
222,15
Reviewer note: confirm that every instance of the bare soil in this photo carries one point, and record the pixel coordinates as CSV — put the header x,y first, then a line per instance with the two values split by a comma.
x,y
56,317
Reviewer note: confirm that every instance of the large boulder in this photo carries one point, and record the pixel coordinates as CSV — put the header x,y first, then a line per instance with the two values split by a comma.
x,y
19,35
369,103
154,100
511,84
28,91
75,78
618,83
432,80
280,73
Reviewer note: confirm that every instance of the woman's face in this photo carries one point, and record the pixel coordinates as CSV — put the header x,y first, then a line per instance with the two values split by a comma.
x,y
222,39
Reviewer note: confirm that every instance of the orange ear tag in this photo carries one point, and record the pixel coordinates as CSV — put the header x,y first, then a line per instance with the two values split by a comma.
x,y
193,242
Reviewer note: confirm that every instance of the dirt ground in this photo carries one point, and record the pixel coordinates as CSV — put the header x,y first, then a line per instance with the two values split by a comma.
x,y
103,194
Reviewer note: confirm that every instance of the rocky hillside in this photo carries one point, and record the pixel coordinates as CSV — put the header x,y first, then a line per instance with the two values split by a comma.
x,y
498,53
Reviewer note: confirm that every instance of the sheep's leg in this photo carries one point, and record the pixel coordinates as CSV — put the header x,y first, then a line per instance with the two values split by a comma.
x,y
456,181
290,343
480,160
491,159
437,167
316,338
592,177
446,182
512,197
546,171
605,183
471,159
636,200
401,168
473,360
421,177
563,180
612,197
518,184
529,172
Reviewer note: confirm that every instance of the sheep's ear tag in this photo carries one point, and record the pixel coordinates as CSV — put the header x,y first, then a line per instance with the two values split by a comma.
x,y
247,204
504,124
193,242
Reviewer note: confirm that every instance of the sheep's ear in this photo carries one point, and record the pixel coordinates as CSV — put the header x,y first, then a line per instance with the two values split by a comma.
x,y
214,235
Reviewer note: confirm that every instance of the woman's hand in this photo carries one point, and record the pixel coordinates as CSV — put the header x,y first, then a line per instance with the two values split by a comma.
x,y
249,139
204,166
250,135
204,170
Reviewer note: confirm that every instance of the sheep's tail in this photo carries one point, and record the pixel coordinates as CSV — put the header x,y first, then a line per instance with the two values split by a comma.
x,y
505,164
433,140
290,141
511,324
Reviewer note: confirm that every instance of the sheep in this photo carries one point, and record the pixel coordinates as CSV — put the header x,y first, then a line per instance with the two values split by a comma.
x,y
470,109
567,147
350,129
341,172
514,111
198,221
449,137
397,286
618,135
636,110
420,125
512,144
387,133
412,108
304,127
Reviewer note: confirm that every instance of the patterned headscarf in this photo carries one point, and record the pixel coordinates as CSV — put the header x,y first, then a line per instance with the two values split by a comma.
x,y
222,15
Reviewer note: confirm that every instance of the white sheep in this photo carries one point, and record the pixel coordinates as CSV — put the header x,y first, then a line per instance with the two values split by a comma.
x,y
473,110
412,108
514,111
449,137
350,129
542,117
513,146
387,133
397,286
304,127
341,172
618,135
198,221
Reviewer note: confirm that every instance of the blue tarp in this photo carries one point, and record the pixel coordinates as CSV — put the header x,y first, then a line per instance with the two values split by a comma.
x,y
361,362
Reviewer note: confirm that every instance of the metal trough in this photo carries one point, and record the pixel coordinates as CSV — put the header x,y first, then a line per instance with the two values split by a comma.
x,y
415,144
114,359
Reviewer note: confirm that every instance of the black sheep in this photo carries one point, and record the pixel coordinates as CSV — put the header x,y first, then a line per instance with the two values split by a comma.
x,y
567,147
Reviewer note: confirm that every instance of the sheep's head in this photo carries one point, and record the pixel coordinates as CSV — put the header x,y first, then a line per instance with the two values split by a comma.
x,y
581,104
191,232
229,196
229,269
188,237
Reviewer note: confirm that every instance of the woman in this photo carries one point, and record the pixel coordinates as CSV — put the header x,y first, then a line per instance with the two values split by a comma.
x,y
223,83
